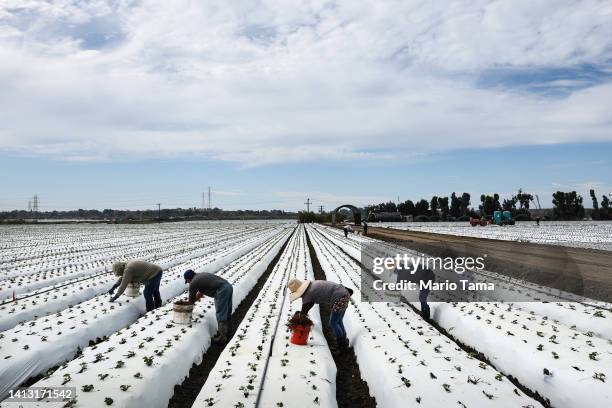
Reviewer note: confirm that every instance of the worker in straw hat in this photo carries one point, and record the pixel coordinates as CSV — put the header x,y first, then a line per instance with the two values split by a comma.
x,y
137,272
326,292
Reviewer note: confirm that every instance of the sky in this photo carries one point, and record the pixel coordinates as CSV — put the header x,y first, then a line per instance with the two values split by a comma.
x,y
124,104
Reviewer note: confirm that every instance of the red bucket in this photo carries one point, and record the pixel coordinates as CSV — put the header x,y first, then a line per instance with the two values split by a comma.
x,y
299,335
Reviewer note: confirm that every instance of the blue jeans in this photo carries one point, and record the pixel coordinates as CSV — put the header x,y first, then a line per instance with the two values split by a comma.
x,y
425,311
151,292
223,302
335,321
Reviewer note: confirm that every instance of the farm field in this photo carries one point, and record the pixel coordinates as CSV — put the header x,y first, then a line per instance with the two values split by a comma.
x,y
547,347
582,271
60,329
200,201
578,234
54,325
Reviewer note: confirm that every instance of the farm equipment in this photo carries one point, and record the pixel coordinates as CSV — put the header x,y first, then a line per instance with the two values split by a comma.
x,y
503,218
499,218
478,221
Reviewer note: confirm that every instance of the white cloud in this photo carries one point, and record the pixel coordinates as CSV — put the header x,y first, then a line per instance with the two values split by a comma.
x,y
283,81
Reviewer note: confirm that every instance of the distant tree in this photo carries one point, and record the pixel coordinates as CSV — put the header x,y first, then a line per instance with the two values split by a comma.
x,y
483,205
595,213
389,206
594,198
510,204
433,204
443,205
422,207
306,217
567,206
489,204
604,212
373,208
465,203
406,208
455,206
523,199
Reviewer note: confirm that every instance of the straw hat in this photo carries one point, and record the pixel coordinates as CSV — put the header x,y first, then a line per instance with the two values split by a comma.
x,y
297,288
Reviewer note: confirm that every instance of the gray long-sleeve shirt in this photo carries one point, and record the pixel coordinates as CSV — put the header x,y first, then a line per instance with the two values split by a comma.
x,y
206,283
322,291
136,272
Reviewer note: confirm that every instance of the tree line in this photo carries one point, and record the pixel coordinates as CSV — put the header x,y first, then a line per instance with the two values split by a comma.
x,y
165,214
603,212
436,207
566,206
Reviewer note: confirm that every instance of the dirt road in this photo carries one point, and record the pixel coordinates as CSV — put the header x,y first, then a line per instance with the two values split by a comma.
x,y
586,272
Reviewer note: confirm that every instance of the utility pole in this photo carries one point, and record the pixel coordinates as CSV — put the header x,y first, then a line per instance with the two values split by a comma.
x,y
320,209
308,202
203,201
209,203
34,209
158,212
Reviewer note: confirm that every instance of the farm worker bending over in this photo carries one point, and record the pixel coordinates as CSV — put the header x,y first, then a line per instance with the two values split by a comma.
x,y
137,272
322,291
212,285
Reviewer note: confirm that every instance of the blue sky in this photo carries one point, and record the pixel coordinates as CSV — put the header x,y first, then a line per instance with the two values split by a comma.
x,y
126,104
140,184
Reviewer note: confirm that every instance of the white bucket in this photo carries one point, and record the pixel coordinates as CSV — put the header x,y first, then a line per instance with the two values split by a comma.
x,y
132,290
181,313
